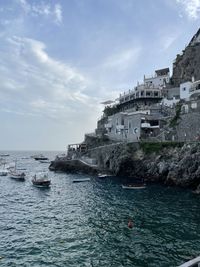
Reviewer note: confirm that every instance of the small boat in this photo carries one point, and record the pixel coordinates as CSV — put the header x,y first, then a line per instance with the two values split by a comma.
x,y
134,186
42,181
81,180
3,172
45,161
104,175
39,157
4,155
16,175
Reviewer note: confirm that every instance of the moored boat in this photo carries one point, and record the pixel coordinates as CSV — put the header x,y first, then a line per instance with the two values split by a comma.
x,y
16,175
39,157
134,186
42,181
104,175
45,161
81,180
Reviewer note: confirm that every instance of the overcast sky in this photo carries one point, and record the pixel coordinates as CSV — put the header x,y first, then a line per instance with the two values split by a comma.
x,y
59,59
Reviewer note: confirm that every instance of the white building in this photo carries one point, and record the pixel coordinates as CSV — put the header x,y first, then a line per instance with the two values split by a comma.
x,y
189,89
159,80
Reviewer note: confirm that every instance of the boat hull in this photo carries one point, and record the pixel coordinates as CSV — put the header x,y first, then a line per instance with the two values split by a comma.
x,y
135,187
81,180
40,183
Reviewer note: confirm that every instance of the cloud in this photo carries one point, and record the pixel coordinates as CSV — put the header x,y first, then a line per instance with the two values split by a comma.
x,y
123,59
52,11
191,8
40,84
58,13
168,41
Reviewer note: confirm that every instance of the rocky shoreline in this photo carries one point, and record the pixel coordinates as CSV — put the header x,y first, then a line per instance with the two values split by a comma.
x,y
170,163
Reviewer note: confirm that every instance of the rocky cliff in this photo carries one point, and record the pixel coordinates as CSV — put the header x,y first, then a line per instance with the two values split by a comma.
x,y
169,163
187,64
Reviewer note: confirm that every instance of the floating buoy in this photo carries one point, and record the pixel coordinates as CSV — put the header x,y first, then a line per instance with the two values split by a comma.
x,y
130,224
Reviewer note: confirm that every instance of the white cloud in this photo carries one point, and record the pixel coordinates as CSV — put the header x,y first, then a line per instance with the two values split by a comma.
x,y
123,59
167,41
41,84
191,7
58,13
52,11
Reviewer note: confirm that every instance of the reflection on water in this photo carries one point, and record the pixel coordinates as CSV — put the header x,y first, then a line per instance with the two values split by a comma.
x,y
85,224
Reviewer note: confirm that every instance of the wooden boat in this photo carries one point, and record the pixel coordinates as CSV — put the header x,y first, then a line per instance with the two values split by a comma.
x,y
134,186
16,175
42,181
81,180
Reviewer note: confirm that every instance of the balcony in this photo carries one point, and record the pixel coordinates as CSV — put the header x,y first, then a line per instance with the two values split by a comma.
x,y
108,125
149,126
120,127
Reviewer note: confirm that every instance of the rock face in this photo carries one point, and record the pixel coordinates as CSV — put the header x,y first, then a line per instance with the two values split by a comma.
x,y
71,166
168,163
187,64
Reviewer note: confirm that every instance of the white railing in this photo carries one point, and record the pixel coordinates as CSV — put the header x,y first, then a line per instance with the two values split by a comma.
x,y
192,263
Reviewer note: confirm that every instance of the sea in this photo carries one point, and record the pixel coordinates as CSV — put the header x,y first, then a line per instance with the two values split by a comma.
x,y
85,224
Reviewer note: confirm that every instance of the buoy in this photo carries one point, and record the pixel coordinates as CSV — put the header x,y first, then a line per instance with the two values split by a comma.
x,y
130,224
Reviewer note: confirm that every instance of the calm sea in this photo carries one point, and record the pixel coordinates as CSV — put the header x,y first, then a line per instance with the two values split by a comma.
x,y
85,224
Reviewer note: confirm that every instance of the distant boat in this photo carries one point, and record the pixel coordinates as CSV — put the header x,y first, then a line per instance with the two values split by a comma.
x,y
134,186
39,157
104,175
3,172
81,180
4,155
17,174
42,181
45,161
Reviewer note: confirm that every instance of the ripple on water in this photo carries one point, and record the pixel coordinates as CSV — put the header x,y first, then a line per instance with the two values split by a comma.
x,y
86,224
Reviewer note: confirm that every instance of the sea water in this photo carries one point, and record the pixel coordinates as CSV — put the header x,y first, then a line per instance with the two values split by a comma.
x,y
85,224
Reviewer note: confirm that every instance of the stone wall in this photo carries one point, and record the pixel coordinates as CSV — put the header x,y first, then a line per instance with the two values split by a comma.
x,y
188,128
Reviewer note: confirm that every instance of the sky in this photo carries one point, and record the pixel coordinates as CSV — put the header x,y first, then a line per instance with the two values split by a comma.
x,y
59,59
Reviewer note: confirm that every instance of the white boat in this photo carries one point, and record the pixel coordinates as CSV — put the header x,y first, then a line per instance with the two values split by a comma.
x,y
17,175
41,180
81,180
134,186
104,175
45,161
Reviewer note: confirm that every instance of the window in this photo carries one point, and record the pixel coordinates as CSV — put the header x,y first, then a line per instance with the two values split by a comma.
x,y
184,89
